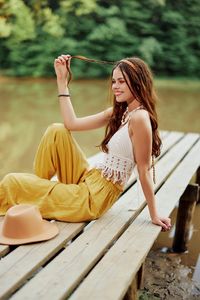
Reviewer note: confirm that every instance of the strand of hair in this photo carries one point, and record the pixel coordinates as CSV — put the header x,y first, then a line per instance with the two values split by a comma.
x,y
93,60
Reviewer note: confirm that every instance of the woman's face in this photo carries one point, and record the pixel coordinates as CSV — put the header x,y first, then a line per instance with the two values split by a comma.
x,y
120,87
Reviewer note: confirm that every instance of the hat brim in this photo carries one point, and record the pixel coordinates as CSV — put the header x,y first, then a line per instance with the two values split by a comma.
x,y
49,231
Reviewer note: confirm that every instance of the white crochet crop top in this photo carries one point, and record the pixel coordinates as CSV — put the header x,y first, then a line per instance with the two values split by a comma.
x,y
117,165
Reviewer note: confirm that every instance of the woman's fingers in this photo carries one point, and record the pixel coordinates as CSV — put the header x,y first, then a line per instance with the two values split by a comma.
x,y
164,226
58,61
63,59
165,223
66,56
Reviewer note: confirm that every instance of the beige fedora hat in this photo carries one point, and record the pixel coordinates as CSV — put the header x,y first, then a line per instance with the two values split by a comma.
x,y
23,224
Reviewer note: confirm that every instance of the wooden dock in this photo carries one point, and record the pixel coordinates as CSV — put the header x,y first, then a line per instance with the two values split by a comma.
x,y
103,259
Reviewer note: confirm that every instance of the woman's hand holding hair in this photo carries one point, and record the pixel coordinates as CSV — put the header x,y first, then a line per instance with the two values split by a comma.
x,y
71,122
62,67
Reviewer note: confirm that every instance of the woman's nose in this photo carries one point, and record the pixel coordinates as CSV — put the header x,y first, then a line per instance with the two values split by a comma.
x,y
115,86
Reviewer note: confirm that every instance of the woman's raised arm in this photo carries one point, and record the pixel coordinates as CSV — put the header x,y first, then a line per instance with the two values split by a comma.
x,y
71,122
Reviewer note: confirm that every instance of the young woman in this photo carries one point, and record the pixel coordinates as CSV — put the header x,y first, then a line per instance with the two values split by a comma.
x,y
84,193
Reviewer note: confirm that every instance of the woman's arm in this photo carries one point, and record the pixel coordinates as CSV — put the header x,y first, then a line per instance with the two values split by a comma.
x,y
70,119
141,136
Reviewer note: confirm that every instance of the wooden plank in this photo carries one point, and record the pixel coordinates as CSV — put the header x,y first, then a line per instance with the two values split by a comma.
x,y
173,157
198,180
25,273
97,233
17,280
163,133
20,264
80,256
170,140
186,208
3,248
120,265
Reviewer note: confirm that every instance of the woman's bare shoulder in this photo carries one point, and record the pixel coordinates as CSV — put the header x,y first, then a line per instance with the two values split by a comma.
x,y
139,115
139,119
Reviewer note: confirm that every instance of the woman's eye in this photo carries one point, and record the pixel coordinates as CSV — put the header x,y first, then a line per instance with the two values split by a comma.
x,y
119,81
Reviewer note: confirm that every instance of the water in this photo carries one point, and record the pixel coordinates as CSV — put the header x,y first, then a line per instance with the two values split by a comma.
x,y
28,106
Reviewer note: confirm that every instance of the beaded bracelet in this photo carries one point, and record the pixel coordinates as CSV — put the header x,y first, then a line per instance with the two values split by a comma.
x,y
64,95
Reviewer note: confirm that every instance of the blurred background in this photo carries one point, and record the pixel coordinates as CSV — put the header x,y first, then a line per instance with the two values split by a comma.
x,y
165,33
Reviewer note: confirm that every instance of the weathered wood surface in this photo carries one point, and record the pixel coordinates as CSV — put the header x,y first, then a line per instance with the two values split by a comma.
x,y
168,140
80,256
22,262
198,180
185,213
137,283
120,264
55,271
3,248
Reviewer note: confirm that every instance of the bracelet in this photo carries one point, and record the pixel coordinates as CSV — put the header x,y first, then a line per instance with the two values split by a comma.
x,y
64,95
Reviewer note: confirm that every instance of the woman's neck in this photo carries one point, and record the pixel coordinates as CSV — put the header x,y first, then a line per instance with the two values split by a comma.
x,y
133,105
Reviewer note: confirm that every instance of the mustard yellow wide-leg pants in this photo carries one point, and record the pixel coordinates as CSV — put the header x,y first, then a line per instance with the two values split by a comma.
x,y
78,195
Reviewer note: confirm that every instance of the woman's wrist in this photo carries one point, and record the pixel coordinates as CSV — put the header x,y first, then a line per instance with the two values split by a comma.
x,y
153,212
63,88
153,218
61,81
63,91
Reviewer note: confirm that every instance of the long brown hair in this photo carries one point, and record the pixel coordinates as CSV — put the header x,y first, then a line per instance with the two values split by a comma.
x,y
140,83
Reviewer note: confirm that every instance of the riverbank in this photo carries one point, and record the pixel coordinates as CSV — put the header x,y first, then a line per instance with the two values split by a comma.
x,y
195,81
178,82
167,278
172,276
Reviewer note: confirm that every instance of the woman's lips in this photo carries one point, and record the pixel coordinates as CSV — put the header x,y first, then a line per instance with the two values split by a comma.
x,y
118,94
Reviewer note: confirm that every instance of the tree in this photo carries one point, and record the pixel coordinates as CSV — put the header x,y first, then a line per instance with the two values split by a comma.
x,y
165,33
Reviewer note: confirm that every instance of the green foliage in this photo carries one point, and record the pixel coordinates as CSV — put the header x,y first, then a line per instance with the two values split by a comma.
x,y
165,33
5,28
149,48
21,19
50,23
79,7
